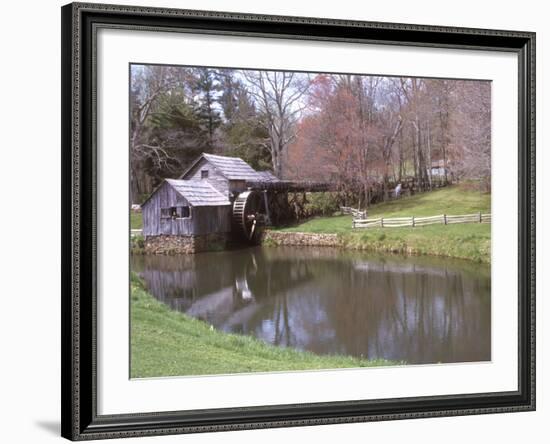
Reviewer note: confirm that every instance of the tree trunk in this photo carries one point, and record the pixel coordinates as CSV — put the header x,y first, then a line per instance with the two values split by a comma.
x,y
428,139
400,172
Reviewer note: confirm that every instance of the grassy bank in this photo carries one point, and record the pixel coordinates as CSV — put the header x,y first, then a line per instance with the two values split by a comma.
x,y
168,343
465,241
136,220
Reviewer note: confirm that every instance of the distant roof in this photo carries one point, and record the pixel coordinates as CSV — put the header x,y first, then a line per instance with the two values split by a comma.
x,y
234,168
199,193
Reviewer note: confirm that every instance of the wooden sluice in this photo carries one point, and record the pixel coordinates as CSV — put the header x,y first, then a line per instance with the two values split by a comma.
x,y
291,186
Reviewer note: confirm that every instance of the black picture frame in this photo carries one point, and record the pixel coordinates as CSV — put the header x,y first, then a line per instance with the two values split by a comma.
x,y
78,333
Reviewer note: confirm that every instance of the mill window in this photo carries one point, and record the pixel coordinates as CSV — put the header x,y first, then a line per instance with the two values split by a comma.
x,y
175,212
185,212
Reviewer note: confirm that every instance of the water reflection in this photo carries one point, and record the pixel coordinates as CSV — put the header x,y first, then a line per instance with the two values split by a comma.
x,y
421,310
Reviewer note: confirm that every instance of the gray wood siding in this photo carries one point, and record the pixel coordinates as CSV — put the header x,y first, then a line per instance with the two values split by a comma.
x,y
203,220
212,219
215,178
237,186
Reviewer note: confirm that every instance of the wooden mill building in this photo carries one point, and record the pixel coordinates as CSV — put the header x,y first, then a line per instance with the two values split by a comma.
x,y
186,207
197,211
215,200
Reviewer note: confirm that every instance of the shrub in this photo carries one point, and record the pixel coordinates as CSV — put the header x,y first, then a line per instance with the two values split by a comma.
x,y
322,204
137,243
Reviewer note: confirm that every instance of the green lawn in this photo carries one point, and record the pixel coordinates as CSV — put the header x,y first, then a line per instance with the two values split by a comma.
x,y
450,200
136,221
169,343
466,241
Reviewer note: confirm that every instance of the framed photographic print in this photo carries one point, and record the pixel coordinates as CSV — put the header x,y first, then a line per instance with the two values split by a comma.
x,y
281,221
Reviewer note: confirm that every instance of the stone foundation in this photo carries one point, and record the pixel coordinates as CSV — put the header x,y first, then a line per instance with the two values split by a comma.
x,y
305,239
170,244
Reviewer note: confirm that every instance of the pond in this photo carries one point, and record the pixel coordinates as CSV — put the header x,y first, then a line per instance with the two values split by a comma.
x,y
329,301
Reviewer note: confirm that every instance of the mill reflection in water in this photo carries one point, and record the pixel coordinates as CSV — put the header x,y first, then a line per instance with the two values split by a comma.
x,y
417,309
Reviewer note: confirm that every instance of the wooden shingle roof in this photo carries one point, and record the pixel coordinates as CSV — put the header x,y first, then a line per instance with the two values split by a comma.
x,y
199,193
233,168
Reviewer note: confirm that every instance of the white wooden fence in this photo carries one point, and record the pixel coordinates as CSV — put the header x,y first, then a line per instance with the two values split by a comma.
x,y
446,219
357,214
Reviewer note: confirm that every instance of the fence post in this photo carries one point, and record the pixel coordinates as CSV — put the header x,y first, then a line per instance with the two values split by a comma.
x,y
445,219
413,221
382,222
480,217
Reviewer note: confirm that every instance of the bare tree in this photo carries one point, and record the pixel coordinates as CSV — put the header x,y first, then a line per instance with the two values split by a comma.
x,y
394,124
278,98
471,130
148,85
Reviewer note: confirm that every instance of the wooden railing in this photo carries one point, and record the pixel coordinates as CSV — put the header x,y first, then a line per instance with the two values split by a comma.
x,y
412,221
357,214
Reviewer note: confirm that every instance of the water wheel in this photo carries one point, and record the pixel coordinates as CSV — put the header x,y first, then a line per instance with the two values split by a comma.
x,y
249,215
